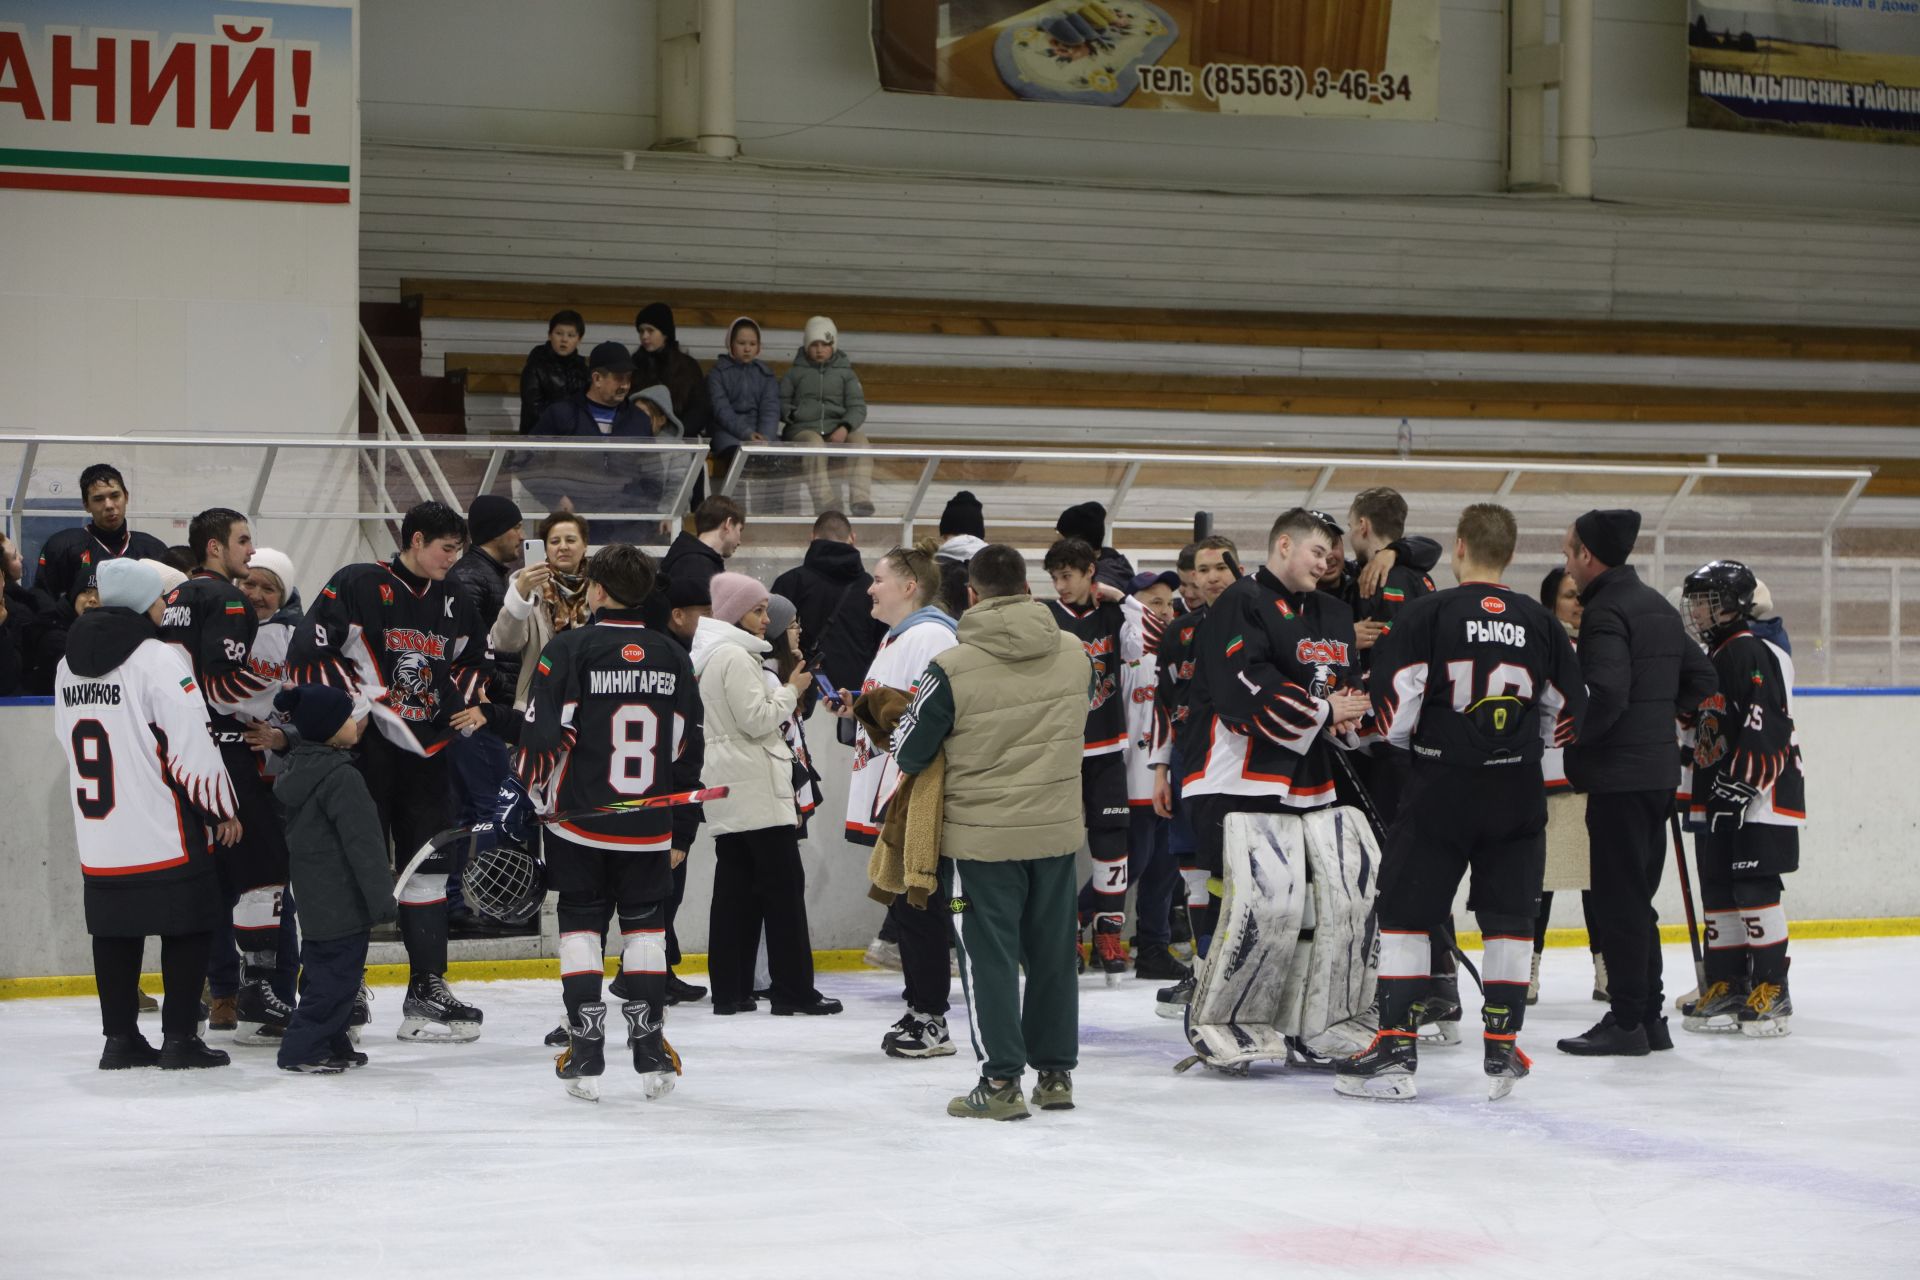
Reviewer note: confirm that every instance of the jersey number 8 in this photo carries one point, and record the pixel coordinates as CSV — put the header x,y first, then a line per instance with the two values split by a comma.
x,y
636,741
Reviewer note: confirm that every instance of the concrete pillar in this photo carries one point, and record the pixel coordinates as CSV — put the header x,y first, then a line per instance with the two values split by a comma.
x,y
677,46
1576,98
718,132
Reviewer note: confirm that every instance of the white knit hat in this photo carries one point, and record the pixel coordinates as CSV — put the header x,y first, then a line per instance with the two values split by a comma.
x,y
170,577
128,584
820,329
277,563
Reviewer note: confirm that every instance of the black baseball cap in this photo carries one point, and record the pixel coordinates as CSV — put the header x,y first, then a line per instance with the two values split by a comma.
x,y
612,357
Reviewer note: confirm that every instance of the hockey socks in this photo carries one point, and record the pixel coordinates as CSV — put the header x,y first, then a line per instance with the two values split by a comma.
x,y
1506,972
1404,977
256,930
581,969
643,961
423,924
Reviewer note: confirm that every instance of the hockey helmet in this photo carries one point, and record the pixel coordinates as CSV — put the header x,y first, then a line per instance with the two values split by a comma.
x,y
1719,599
504,879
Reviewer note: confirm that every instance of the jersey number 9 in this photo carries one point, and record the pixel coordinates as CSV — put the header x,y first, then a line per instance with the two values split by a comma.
x,y
93,764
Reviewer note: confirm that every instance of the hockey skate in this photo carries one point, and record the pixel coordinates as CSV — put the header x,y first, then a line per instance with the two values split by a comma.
x,y
1384,1072
260,1016
1181,929
1717,1009
584,1060
432,1014
653,1057
1439,1012
1109,950
1504,1064
362,1013
1768,1008
1172,1002
918,1035
1155,961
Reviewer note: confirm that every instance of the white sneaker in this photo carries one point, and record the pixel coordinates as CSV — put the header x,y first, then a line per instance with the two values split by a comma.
x,y
882,954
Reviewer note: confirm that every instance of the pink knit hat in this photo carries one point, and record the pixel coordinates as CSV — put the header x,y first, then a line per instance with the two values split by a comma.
x,y
734,595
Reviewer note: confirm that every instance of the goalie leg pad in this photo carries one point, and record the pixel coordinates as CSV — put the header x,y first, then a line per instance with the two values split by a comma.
x,y
1335,981
1239,990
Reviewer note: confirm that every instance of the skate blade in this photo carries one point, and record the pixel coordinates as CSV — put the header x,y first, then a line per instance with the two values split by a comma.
x,y
1392,1088
1171,1011
1114,977
1499,1087
257,1033
656,1084
427,1031
585,1088
353,1034
1721,1024
1438,1033
1765,1029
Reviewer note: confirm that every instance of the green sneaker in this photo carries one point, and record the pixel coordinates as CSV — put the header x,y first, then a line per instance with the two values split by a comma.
x,y
1054,1091
987,1102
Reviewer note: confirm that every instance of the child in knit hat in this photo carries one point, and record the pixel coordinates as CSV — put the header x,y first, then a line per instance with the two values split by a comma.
x,y
822,401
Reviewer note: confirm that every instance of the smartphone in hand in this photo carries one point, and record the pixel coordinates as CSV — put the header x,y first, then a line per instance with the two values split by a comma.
x,y
825,686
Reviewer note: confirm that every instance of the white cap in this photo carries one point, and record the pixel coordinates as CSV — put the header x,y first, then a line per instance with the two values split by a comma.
x,y
820,329
128,584
277,563
170,577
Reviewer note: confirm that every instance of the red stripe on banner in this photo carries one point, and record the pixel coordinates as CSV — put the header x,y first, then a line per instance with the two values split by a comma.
x,y
174,187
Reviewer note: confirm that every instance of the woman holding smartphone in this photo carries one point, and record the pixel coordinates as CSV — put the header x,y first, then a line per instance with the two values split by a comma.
x,y
542,600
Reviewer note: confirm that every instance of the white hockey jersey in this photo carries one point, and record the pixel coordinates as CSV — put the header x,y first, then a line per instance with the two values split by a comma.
x,y
1139,680
875,777
141,760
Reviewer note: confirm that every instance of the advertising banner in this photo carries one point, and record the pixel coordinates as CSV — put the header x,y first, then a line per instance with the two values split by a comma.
x,y
1845,69
1354,58
216,98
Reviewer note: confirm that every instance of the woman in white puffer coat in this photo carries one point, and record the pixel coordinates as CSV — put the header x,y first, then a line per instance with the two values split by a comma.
x,y
757,875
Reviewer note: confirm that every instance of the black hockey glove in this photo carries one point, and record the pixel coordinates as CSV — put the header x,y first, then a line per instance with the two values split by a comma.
x,y
513,812
1727,806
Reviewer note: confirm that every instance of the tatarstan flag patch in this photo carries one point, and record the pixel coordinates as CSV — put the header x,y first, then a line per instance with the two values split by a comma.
x,y
1394,595
236,609
329,592
186,683
545,668
1235,645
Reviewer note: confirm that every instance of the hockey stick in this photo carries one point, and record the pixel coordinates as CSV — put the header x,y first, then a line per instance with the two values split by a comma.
x,y
625,806
1380,835
1686,898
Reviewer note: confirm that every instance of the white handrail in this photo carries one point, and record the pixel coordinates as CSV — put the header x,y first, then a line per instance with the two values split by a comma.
x,y
388,398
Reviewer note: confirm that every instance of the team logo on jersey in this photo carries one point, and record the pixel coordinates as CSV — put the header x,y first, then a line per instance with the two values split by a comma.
x,y
1757,677
411,693
1427,580
633,653
386,594
1321,653
1286,610
173,595
86,557
1493,604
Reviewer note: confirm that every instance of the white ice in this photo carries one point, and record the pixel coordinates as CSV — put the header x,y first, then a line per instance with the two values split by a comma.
x,y
794,1148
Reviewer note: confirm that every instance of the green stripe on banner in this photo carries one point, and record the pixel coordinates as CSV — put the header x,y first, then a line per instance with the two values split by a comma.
x,y
99,160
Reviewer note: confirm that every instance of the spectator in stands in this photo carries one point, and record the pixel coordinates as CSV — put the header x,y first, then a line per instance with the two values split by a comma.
x,y
830,573
657,404
822,402
16,611
70,557
756,827
1088,522
555,370
660,360
542,600
963,531
719,526
743,392
601,409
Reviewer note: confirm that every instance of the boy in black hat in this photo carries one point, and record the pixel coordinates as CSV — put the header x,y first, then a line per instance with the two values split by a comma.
x,y
1088,522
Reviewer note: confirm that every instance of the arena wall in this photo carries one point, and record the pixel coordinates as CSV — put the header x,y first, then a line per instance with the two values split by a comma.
x,y
1855,855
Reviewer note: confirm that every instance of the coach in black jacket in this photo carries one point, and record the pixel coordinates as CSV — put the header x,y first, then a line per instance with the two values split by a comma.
x,y
1642,672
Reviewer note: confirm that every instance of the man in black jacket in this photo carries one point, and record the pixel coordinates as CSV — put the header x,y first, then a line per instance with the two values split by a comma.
x,y
831,572
1642,672
555,370
69,557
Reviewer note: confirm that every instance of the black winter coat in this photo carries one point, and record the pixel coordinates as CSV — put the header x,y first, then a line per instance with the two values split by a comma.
x,y
548,378
829,571
481,581
336,855
1643,671
684,380
571,417
14,651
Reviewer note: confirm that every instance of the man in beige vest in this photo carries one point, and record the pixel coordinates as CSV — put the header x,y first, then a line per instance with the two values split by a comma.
x,y
1008,706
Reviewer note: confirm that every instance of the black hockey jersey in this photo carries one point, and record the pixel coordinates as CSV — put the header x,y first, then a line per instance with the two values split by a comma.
x,y
1410,578
212,625
69,558
613,714
1745,734
1477,675
410,646
1172,717
1100,627
1264,661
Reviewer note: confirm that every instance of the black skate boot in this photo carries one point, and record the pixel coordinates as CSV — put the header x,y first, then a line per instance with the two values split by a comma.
x,y
432,1013
1180,928
1172,1002
1504,1063
1716,1009
557,1037
585,1059
1439,1012
1383,1072
180,1053
1155,961
918,1035
260,1016
653,1057
1109,949
362,1013
1767,1009
123,1052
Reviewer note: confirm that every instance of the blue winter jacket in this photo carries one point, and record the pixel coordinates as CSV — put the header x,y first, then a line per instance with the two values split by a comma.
x,y
746,399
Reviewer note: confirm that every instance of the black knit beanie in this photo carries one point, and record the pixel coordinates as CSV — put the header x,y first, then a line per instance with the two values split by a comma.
x,y
660,316
1609,535
963,514
1087,522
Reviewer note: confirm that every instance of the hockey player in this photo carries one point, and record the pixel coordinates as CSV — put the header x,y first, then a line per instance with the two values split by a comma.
x,y
1150,863
1214,570
148,787
1477,681
1273,681
1749,802
613,715
209,620
395,636
70,557
1091,612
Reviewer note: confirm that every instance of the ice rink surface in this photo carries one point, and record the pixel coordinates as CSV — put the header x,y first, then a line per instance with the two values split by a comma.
x,y
794,1148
